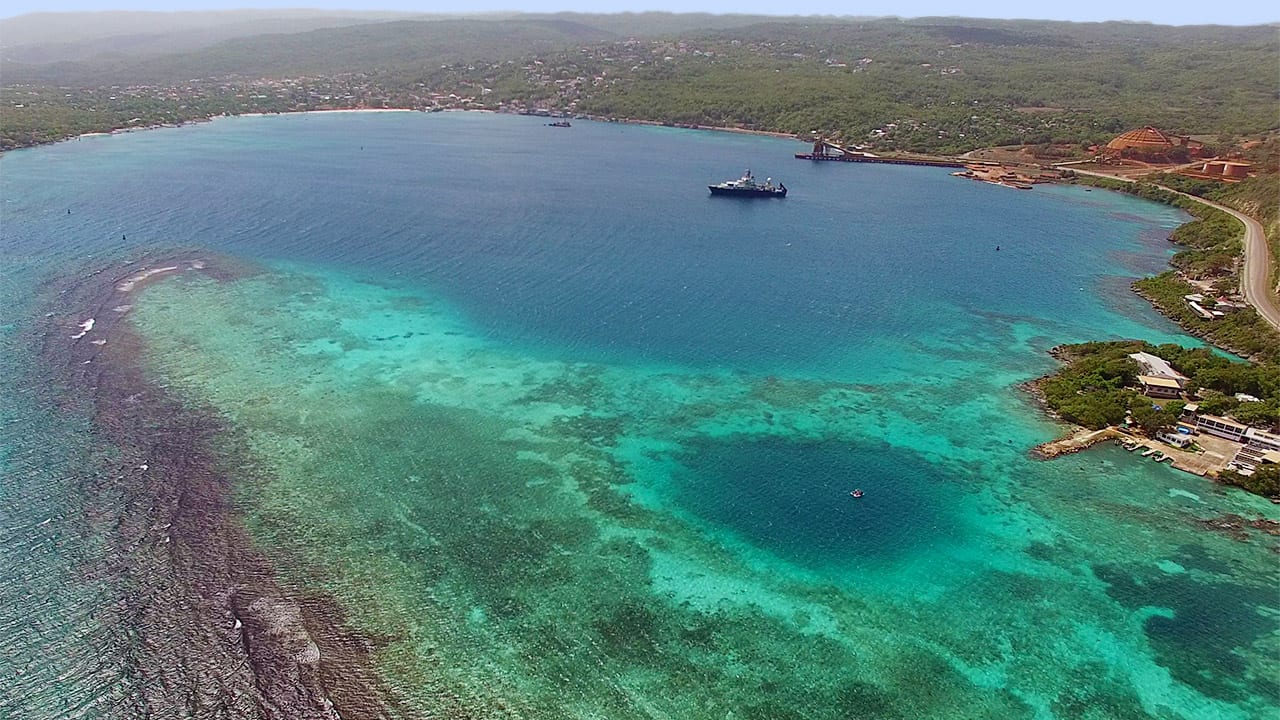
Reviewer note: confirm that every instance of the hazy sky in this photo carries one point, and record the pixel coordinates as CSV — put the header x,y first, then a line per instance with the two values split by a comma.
x,y
1173,12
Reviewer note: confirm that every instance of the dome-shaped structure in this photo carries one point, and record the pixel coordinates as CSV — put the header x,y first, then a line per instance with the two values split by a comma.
x,y
1145,140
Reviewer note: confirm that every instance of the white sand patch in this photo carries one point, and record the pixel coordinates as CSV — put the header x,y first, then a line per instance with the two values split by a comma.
x,y
132,281
85,327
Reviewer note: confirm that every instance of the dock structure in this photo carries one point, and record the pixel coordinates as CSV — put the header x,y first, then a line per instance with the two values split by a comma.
x,y
1075,442
825,150
1208,463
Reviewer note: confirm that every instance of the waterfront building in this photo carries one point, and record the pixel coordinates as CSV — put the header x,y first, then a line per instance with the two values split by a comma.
x,y
1262,440
1221,427
1156,365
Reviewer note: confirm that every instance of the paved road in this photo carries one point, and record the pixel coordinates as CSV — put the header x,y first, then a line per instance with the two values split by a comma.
x,y
1255,276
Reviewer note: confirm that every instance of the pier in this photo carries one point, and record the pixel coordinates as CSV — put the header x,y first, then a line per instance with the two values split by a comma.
x,y
824,151
1077,441
1208,463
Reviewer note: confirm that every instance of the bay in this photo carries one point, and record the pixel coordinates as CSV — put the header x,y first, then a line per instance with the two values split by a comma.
x,y
579,438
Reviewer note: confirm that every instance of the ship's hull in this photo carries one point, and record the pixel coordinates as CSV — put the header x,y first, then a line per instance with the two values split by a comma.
x,y
748,192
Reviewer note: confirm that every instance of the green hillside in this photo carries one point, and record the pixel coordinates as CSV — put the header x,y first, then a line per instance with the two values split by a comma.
x,y
927,85
954,86
360,48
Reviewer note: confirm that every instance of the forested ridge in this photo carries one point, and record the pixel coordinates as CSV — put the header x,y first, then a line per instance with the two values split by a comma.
x,y
935,85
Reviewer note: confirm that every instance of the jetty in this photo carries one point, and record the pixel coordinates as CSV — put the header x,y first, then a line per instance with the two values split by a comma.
x,y
827,151
1075,442
1208,463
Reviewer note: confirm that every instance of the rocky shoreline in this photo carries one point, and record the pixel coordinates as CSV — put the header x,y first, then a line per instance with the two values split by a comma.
x,y
1065,443
213,630
1192,331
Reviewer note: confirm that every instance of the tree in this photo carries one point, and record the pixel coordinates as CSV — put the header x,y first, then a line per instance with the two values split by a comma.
x,y
1151,418
1265,480
1226,285
1216,403
1259,414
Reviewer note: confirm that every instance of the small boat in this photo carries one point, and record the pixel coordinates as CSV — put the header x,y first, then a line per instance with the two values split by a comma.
x,y
856,493
1148,452
559,123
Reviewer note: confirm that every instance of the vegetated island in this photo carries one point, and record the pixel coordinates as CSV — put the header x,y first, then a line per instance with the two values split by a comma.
x,y
1206,413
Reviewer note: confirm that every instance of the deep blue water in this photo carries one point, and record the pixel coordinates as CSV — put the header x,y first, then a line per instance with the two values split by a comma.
x,y
603,238
795,498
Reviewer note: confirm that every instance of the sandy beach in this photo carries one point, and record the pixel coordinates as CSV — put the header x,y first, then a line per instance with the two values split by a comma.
x,y
625,121
339,110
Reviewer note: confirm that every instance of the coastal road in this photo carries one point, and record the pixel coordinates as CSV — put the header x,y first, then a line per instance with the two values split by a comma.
x,y
1255,276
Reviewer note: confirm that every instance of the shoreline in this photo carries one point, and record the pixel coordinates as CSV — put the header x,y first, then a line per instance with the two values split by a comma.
x,y
1253,276
593,118
677,126
216,627
1192,331
1045,451
1209,460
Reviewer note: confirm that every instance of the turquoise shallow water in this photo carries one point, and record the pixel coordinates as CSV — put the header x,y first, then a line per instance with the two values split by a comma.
x,y
580,438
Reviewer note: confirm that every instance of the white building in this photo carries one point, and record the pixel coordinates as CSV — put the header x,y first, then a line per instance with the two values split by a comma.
x,y
1262,440
1157,376
1221,427
1162,387
1158,366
